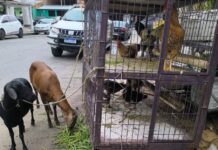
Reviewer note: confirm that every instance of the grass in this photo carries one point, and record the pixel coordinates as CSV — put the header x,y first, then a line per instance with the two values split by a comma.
x,y
78,139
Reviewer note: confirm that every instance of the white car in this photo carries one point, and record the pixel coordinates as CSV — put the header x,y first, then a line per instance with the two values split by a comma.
x,y
9,25
68,33
43,25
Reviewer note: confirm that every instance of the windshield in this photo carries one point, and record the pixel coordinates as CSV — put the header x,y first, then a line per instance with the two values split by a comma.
x,y
45,21
119,23
74,15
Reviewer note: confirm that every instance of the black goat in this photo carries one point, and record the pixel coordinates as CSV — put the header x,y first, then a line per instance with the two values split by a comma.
x,y
111,87
13,108
131,96
135,84
132,93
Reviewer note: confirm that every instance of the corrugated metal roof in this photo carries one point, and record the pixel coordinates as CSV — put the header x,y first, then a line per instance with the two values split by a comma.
x,y
56,7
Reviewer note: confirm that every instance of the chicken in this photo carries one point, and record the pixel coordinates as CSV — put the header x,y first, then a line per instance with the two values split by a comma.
x,y
127,50
147,41
175,37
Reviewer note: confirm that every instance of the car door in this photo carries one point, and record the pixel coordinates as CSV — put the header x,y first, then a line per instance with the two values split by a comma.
x,y
14,27
6,25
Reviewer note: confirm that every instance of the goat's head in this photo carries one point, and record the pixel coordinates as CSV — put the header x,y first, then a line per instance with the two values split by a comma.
x,y
18,91
71,121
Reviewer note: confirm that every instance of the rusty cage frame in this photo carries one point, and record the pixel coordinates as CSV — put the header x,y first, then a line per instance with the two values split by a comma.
x,y
97,13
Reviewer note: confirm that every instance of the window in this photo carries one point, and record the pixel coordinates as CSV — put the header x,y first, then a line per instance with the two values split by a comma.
x,y
61,12
12,18
5,19
51,13
75,14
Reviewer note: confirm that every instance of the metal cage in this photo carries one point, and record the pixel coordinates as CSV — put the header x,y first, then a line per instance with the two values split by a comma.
x,y
148,88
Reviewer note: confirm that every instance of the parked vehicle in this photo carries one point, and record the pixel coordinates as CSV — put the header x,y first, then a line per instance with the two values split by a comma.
x,y
43,25
121,30
20,19
36,20
68,33
9,25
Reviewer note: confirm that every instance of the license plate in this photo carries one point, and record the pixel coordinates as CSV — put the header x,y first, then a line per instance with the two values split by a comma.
x,y
70,40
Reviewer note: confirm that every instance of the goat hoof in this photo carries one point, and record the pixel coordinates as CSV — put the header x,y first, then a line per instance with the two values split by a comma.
x,y
73,123
50,126
57,123
25,148
33,122
12,148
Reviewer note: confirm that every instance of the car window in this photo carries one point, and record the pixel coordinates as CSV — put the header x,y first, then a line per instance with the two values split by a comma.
x,y
74,15
12,18
119,24
5,19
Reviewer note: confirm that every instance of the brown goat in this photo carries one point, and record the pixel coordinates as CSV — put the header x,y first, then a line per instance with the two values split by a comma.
x,y
46,83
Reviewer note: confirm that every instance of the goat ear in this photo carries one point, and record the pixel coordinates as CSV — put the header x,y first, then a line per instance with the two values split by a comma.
x,y
12,93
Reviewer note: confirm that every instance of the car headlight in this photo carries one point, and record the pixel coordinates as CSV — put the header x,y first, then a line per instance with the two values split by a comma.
x,y
55,31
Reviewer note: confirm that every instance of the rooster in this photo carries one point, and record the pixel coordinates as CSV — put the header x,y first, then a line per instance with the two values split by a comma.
x,y
129,51
175,37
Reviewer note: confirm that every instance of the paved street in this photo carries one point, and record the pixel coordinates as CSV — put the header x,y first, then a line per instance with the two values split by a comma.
x,y
15,59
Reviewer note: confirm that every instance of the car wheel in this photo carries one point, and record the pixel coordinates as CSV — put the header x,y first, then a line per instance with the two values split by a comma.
x,y
2,34
20,34
57,52
36,32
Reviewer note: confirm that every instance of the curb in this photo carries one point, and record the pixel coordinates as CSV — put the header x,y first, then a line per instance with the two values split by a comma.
x,y
28,33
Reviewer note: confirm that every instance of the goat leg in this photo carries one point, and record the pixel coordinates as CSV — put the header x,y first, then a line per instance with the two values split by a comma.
x,y
50,111
37,99
21,131
32,117
55,115
13,145
47,108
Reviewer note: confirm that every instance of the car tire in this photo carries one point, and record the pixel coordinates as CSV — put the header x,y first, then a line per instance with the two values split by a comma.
x,y
2,34
20,34
56,52
36,32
